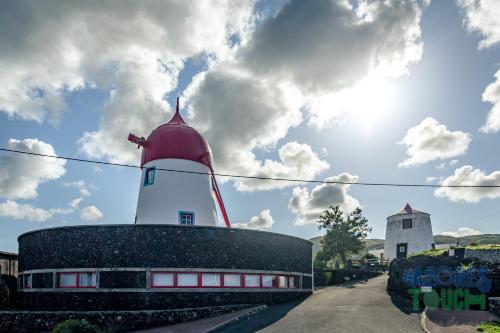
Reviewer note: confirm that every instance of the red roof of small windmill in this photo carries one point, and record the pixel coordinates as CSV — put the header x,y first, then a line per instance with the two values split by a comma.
x,y
175,139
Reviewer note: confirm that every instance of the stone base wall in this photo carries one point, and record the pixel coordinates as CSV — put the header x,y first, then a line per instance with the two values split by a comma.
x,y
111,321
150,300
399,285
492,256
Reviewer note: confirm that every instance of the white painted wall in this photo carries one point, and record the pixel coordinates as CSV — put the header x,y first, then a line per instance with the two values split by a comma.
x,y
419,237
172,192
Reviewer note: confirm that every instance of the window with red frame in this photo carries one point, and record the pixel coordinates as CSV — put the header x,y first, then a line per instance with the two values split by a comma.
x,y
210,280
187,279
233,280
269,281
162,280
252,281
282,281
77,280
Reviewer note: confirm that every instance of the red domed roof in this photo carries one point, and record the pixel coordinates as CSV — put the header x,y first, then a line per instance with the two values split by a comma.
x,y
175,139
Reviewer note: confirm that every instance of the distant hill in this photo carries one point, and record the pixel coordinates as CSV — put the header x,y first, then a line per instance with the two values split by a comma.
x,y
378,244
478,239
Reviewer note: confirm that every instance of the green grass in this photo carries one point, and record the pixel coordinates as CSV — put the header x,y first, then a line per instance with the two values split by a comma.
x,y
429,253
440,252
489,240
483,247
76,326
489,327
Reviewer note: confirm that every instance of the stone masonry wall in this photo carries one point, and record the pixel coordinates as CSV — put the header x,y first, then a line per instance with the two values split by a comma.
x,y
156,246
483,255
163,246
112,321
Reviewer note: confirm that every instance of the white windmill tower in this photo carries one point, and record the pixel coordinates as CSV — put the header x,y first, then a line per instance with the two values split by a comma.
x,y
167,197
407,231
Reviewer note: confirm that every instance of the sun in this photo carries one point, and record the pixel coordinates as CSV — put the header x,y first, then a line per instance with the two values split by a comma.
x,y
366,104
372,100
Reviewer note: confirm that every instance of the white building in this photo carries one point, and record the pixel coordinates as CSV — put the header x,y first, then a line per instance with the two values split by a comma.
x,y
407,232
184,197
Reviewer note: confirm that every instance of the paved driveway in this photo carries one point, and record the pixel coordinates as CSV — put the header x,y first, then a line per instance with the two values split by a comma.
x,y
360,307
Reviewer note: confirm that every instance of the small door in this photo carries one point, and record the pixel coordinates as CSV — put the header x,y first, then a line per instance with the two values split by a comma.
x,y
402,251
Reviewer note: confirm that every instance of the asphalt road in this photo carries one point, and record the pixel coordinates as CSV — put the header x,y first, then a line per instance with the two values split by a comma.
x,y
354,307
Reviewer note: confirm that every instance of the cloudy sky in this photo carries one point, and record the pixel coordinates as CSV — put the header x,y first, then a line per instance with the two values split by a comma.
x,y
370,91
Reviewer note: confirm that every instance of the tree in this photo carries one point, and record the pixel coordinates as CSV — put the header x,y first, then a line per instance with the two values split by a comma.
x,y
344,234
370,256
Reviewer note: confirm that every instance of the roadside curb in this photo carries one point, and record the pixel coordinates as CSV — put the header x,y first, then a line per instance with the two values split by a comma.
x,y
253,311
423,321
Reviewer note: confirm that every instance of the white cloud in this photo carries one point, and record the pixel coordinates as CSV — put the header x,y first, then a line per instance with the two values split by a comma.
x,y
462,232
492,95
309,205
90,213
139,89
224,107
337,55
440,166
81,186
430,179
75,203
430,141
453,162
467,175
288,66
247,100
482,16
135,49
324,45
12,209
264,221
97,169
20,175
295,161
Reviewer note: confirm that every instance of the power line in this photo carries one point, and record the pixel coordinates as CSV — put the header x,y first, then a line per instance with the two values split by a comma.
x,y
313,181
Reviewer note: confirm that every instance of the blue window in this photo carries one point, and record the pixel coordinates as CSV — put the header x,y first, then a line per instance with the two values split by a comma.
x,y
149,176
186,218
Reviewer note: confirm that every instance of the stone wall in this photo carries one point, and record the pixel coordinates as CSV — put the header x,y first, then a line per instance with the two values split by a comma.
x,y
114,321
124,255
483,255
399,285
150,300
162,246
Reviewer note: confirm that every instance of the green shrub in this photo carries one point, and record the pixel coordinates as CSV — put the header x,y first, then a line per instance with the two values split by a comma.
x,y
483,247
76,326
429,253
489,327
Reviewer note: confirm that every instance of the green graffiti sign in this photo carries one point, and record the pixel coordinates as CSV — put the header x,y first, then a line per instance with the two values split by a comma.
x,y
447,299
